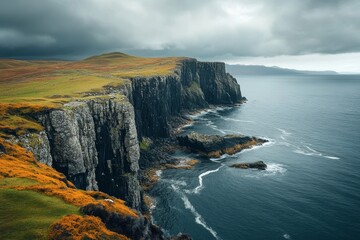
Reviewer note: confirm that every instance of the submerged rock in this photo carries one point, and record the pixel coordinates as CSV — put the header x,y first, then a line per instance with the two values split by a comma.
x,y
259,165
215,145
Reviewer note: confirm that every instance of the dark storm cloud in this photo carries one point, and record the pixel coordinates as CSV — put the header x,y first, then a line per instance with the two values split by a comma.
x,y
202,28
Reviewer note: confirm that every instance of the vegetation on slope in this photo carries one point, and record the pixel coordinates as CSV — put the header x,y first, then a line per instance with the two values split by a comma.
x,y
25,183
60,81
28,87
34,194
28,214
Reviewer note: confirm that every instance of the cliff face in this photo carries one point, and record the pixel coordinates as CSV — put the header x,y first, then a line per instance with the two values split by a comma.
x,y
195,85
94,142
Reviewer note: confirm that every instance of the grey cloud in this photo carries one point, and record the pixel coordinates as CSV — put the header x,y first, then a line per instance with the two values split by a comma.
x,y
202,28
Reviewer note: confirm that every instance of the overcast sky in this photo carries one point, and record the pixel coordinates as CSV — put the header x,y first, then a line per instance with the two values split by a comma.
x,y
303,34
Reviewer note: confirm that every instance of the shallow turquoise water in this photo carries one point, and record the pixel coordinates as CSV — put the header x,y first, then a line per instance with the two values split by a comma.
x,y
311,189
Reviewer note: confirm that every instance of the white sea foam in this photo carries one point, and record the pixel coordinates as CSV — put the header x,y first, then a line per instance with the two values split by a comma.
x,y
287,236
220,158
312,152
177,182
274,168
283,131
187,125
198,218
214,127
158,173
201,186
236,120
331,157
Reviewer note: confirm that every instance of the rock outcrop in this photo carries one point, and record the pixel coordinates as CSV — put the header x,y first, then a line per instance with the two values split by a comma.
x,y
216,145
259,165
94,143
195,85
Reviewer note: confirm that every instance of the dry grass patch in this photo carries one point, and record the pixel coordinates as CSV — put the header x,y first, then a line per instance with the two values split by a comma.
x,y
75,227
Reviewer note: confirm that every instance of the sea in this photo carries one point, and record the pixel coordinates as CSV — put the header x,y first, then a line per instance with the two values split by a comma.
x,y
311,187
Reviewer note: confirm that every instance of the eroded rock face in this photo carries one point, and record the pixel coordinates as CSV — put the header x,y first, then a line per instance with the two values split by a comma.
x,y
117,149
216,145
71,134
94,143
39,145
195,85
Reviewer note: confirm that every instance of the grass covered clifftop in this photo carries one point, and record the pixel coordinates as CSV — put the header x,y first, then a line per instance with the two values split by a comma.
x,y
30,86
36,201
52,82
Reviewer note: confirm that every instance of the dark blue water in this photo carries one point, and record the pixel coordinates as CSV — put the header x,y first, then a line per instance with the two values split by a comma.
x,y
311,189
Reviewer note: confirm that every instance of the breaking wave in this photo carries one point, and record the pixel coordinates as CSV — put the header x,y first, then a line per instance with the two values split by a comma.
x,y
308,151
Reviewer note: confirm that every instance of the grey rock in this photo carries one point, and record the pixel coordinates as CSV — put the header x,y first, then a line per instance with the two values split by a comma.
x,y
259,165
213,145
39,145
195,85
94,143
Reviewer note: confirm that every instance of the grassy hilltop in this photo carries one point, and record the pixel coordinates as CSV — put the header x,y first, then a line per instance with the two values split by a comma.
x,y
59,81
32,195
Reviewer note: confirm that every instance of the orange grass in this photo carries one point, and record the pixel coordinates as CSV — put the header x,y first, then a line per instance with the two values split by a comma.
x,y
75,227
16,162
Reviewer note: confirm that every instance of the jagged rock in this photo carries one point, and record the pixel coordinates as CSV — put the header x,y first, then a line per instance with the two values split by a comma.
x,y
94,143
195,85
72,142
134,228
216,145
39,145
259,165
181,237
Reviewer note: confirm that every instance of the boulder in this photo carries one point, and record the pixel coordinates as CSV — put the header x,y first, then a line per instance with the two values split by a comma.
x,y
259,165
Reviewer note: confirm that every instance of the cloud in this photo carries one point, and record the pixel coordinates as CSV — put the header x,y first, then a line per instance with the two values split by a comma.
x,y
202,28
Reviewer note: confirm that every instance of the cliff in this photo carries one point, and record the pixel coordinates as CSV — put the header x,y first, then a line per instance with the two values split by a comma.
x,y
194,85
94,139
94,142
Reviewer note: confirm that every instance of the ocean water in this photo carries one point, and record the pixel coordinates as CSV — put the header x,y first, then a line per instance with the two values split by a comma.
x,y
311,189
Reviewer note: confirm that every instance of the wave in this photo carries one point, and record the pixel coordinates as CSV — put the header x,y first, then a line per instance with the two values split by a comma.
x,y
214,127
177,182
219,158
287,236
201,186
187,125
198,218
313,152
236,120
283,131
331,157
274,168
